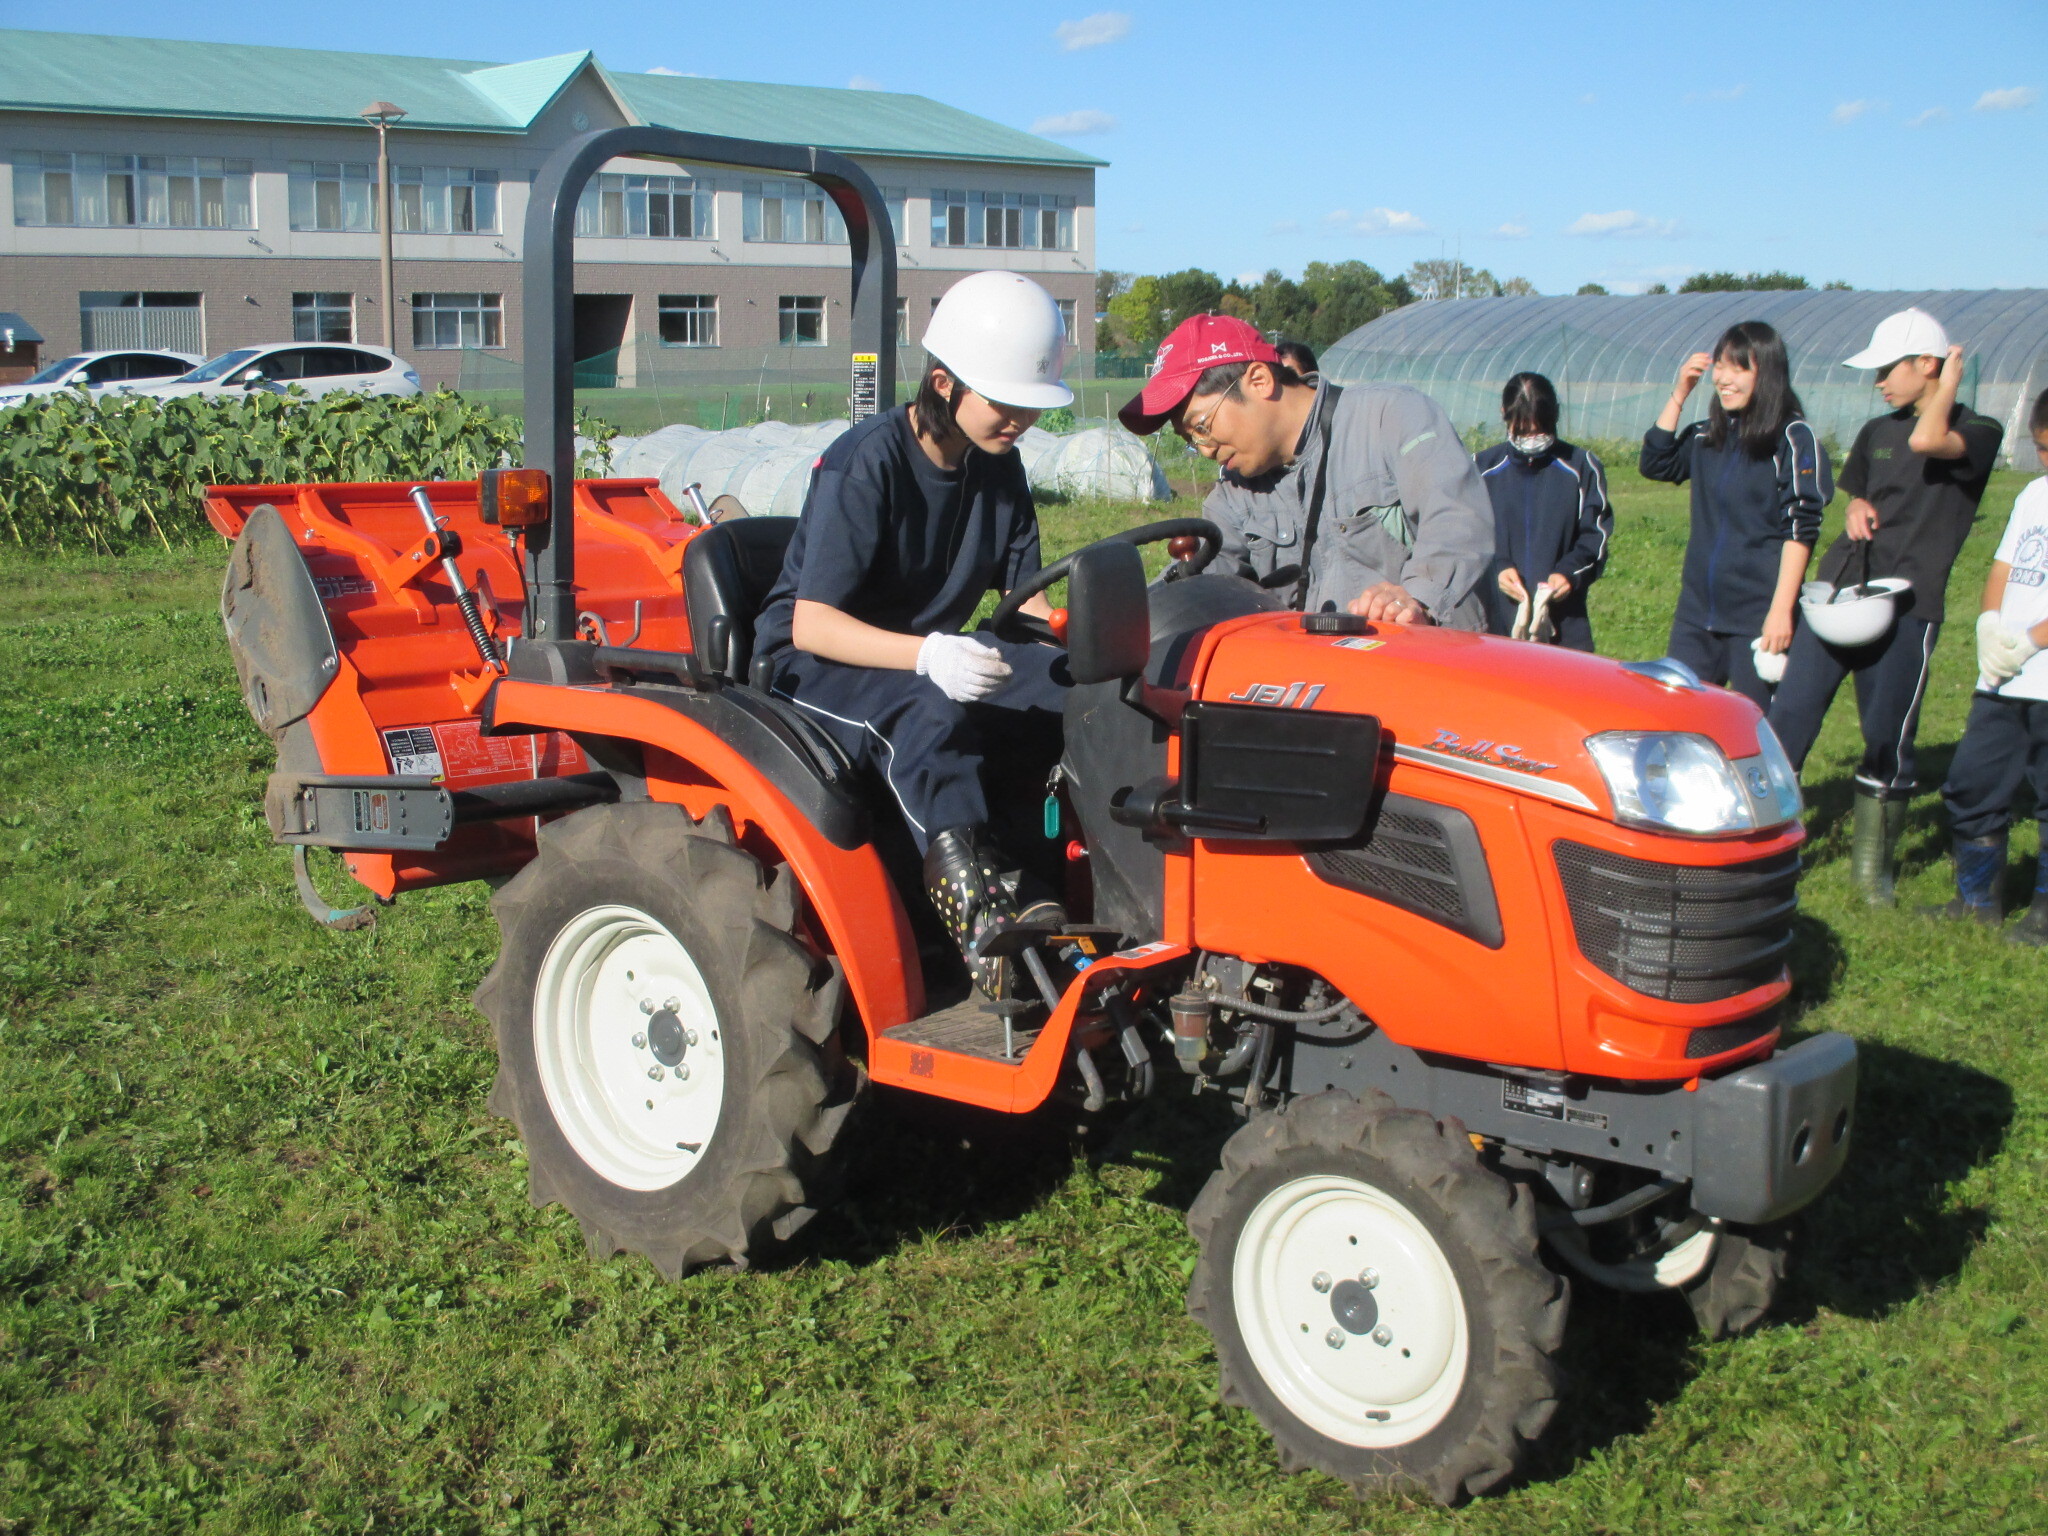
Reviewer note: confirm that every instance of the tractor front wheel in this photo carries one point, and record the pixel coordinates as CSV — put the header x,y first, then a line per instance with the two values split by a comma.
x,y
1376,1297
665,1040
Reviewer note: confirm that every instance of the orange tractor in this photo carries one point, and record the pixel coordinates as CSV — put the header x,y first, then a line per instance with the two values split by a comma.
x,y
1486,941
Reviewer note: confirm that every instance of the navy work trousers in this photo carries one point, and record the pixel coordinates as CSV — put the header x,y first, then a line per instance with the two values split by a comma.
x,y
942,761
2004,743
1891,680
1719,658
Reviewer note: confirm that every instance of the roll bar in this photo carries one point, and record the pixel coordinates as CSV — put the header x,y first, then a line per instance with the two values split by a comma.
x,y
549,333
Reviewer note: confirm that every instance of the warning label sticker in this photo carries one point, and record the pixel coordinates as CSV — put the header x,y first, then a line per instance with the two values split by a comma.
x,y
1357,643
412,751
1546,1103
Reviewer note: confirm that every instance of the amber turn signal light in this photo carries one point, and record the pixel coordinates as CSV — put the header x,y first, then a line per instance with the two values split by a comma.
x,y
513,498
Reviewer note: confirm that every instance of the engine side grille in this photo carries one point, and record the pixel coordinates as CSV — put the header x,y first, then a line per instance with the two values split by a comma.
x,y
1681,932
1424,858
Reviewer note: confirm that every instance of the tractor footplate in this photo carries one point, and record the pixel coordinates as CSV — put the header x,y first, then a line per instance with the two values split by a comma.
x,y
972,1028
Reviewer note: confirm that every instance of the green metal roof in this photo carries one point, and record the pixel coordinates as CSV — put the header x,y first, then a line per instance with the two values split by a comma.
x,y
855,122
153,77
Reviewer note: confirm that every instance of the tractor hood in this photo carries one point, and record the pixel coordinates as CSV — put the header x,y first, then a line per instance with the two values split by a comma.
x,y
1483,707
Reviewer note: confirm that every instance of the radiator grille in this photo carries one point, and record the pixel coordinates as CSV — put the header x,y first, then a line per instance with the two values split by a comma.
x,y
1424,858
1681,932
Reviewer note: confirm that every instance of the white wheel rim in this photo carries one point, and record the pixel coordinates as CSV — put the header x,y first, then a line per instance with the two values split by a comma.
x,y
636,1097
1329,1258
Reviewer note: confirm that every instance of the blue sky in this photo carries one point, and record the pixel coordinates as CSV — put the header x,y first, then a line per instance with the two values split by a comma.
x,y
1890,145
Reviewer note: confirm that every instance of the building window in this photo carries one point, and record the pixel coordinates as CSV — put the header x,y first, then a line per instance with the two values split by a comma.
x,y
689,320
895,200
792,212
616,207
903,322
1003,220
445,199
446,320
107,191
323,317
803,321
174,322
328,194
1066,308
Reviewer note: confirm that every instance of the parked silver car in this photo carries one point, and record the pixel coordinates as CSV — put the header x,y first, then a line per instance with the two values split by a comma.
x,y
117,372
317,368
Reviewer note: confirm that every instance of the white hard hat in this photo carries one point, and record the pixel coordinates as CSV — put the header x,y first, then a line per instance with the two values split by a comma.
x,y
1840,619
999,333
1909,333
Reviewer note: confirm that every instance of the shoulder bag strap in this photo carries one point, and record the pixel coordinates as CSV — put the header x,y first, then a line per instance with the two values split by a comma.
x,y
1315,496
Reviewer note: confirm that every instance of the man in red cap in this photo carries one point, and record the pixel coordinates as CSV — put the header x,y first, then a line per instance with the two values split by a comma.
x,y
1362,497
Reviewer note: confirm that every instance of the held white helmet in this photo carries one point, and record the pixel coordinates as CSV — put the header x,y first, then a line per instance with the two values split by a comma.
x,y
1851,616
999,333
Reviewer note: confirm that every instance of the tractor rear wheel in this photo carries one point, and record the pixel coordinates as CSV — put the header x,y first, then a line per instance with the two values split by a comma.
x,y
1376,1297
665,1041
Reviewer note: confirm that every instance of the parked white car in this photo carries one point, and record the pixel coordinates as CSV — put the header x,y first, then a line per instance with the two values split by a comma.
x,y
102,373
317,368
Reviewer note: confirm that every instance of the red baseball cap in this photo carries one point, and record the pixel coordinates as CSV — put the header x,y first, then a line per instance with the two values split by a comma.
x,y
1196,345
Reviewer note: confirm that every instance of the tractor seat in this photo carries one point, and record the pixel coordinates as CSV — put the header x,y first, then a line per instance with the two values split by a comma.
x,y
728,571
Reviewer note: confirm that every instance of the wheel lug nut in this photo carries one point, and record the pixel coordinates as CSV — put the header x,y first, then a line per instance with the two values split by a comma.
x,y
1321,1282
1334,1338
647,1005
683,1072
1369,1278
690,1035
639,1042
673,1004
654,1073
1383,1335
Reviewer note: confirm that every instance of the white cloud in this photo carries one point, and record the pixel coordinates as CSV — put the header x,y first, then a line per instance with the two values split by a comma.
x,y
1849,111
663,69
1134,229
1093,31
1923,119
1286,227
1251,279
1512,230
1588,99
1390,221
1623,221
1731,93
1068,125
864,83
2011,99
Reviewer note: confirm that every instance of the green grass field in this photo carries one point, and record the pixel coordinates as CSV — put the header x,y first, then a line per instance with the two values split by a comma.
x,y
266,1262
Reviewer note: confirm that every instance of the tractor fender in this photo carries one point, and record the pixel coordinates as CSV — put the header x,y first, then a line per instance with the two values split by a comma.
x,y
700,749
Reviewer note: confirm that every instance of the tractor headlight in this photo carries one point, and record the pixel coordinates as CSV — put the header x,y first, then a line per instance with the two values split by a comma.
x,y
1672,780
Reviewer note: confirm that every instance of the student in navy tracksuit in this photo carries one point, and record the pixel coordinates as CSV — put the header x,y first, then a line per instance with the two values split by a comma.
x,y
910,519
1551,520
1759,482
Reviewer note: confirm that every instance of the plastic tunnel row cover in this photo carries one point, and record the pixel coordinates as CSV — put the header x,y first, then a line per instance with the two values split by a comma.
x,y
1613,358
768,465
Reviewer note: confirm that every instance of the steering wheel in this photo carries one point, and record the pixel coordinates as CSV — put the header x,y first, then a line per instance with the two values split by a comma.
x,y
1193,542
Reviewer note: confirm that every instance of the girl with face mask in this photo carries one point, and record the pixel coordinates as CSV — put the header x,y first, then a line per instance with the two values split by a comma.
x,y
1759,482
1552,521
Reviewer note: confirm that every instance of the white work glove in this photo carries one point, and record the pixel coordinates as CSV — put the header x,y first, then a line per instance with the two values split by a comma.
x,y
2001,649
963,669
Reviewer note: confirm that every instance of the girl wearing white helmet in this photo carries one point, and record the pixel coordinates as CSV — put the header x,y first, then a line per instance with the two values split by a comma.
x,y
911,518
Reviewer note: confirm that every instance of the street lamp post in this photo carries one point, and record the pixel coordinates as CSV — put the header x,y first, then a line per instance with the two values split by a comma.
x,y
381,115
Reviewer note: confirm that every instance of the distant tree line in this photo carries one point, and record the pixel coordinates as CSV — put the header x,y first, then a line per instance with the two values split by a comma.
x,y
1331,299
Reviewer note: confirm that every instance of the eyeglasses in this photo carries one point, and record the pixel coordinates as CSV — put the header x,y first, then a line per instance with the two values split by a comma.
x,y
1197,437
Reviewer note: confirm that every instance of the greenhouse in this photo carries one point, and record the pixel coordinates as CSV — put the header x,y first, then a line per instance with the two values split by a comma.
x,y
1613,359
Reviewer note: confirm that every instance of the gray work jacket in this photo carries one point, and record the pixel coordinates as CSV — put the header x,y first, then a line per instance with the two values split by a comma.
x,y
1402,502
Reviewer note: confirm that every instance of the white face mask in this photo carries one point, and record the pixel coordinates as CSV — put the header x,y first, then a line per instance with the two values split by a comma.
x,y
1532,445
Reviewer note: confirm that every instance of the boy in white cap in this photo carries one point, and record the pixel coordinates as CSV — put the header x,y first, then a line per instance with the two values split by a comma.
x,y
2006,740
1914,478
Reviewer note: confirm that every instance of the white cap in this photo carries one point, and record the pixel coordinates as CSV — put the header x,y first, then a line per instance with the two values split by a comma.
x,y
1909,333
999,333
